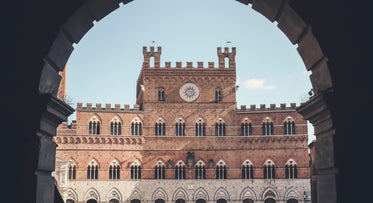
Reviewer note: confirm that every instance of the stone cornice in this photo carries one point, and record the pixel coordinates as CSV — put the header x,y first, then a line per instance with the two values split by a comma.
x,y
55,113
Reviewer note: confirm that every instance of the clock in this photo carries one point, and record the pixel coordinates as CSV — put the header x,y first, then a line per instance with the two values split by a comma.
x,y
189,92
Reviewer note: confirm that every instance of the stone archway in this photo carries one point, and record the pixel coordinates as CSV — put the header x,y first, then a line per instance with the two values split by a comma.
x,y
289,22
87,12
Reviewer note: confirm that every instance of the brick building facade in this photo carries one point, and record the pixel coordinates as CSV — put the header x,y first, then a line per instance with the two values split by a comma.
x,y
184,140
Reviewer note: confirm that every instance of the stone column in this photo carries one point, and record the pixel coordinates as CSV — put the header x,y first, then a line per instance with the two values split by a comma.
x,y
316,110
56,111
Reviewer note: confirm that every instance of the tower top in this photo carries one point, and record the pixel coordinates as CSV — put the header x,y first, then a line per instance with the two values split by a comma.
x,y
226,58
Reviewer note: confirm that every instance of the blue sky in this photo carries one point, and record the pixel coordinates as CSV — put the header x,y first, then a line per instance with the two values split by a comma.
x,y
104,65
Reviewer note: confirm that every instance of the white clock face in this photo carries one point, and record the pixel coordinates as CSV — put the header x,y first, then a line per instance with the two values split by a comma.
x,y
189,92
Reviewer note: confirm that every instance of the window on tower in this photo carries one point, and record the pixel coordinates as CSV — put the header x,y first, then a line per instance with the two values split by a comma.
x,y
180,127
200,170
180,170
160,127
221,170
246,128
289,126
200,128
220,128
114,170
291,169
159,170
92,170
267,126
72,171
135,170
94,126
269,170
115,127
218,96
161,94
136,127
247,170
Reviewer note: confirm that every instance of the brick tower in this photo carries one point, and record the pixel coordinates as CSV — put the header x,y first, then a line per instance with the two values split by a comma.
x,y
184,141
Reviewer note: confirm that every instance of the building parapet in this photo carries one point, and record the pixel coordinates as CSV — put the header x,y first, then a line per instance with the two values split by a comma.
x,y
98,139
272,107
222,56
108,107
194,143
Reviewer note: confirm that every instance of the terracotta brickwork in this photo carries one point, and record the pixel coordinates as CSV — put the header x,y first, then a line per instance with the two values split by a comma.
x,y
77,144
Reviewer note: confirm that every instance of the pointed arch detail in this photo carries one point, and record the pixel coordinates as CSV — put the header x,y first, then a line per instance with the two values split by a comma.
x,y
180,193
71,194
114,194
200,193
291,193
248,193
159,193
92,193
221,193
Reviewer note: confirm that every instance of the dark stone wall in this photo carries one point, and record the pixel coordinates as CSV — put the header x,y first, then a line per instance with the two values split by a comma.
x,y
30,28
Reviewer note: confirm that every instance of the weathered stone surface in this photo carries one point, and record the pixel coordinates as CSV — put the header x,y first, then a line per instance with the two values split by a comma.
x,y
79,24
326,188
60,51
324,153
291,24
269,8
101,8
49,80
309,50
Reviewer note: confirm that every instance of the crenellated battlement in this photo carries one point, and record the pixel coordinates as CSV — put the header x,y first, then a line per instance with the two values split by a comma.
x,y
263,107
222,57
108,107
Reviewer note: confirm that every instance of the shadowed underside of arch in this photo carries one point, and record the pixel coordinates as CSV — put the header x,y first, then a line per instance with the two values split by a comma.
x,y
289,22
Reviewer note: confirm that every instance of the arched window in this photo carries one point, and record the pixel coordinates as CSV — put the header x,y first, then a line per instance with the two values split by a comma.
x,y
113,201
180,170
151,61
246,128
269,170
292,201
248,201
289,126
180,201
218,95
270,200
160,127
267,126
92,201
115,127
114,170
247,170
200,128
220,127
135,201
226,62
159,170
221,170
94,126
159,201
136,170
136,127
180,127
200,201
92,170
291,169
200,170
72,170
161,94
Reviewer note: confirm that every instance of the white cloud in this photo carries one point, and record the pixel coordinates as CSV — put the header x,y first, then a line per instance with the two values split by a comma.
x,y
256,84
